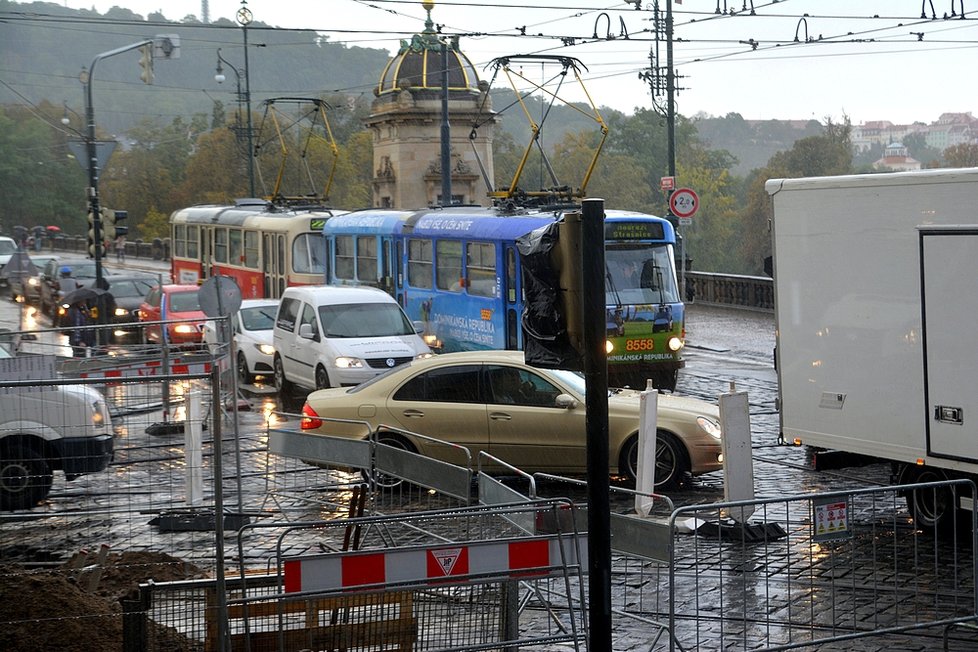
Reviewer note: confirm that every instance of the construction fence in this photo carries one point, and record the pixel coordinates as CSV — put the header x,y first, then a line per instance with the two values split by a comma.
x,y
216,527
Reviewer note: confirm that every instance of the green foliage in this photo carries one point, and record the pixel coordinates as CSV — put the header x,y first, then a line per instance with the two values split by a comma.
x,y
815,156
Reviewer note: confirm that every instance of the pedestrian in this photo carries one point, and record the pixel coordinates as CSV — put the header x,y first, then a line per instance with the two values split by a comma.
x,y
80,338
120,249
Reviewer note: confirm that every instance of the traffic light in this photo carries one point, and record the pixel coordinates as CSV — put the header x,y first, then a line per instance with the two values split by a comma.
x,y
91,234
120,229
146,63
90,248
552,320
111,224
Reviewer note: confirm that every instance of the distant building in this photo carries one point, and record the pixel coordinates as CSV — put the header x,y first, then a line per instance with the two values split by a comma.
x,y
405,121
896,158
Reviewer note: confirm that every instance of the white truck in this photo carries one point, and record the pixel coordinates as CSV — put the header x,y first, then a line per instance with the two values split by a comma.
x,y
876,307
47,428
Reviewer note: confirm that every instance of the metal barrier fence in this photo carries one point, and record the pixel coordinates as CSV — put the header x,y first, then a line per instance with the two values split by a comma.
x,y
733,290
103,487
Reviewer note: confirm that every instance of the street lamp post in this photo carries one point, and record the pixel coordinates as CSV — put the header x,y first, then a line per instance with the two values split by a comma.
x,y
245,98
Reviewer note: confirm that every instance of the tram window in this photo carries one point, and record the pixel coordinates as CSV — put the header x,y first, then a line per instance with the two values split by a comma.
x,y
480,268
193,242
307,254
419,263
367,258
179,240
448,254
344,257
235,256
251,249
220,245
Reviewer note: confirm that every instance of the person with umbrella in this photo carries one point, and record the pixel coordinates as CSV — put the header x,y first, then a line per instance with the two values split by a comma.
x,y
79,337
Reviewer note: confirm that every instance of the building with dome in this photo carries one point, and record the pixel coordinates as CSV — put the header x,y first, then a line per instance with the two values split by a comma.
x,y
405,121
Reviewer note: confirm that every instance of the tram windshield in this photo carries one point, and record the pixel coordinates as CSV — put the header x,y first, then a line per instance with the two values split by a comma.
x,y
640,275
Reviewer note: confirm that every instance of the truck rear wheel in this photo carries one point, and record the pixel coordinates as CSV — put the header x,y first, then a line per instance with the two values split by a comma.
x,y
932,508
25,478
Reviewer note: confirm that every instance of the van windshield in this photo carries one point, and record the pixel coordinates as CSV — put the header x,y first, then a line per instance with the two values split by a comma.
x,y
364,320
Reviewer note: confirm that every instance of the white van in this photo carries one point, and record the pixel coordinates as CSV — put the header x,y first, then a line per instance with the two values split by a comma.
x,y
332,336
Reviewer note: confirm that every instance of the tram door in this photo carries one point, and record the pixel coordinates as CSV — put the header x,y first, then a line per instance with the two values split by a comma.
x,y
511,295
273,262
206,254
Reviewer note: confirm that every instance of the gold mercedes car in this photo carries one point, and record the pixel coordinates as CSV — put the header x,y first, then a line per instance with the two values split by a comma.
x,y
531,418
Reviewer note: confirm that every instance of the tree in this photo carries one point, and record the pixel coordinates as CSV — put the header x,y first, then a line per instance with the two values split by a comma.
x,y
964,155
815,156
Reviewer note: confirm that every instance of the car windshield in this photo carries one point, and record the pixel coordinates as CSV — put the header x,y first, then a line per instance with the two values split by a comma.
x,y
184,301
261,318
126,289
83,271
7,247
364,320
573,379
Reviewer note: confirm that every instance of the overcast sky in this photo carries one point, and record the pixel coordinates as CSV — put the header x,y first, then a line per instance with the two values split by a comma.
x,y
865,59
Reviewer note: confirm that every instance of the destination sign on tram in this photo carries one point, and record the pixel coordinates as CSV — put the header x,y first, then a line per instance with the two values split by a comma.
x,y
633,231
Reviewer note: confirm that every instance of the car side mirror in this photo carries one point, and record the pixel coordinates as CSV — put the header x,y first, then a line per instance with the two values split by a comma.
x,y
565,401
418,326
305,331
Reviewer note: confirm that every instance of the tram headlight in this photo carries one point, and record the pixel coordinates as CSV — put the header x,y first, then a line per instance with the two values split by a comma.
x,y
609,346
346,362
675,344
267,349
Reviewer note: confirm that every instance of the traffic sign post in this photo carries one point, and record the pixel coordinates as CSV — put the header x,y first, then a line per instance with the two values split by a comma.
x,y
683,203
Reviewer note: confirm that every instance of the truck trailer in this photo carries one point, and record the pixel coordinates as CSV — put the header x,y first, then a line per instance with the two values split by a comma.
x,y
876,308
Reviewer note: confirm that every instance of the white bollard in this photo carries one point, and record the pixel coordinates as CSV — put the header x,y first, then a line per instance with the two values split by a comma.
x,y
738,460
645,472
192,445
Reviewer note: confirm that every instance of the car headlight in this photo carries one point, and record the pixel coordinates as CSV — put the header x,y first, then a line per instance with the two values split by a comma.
x,y
184,328
33,281
267,349
675,344
422,356
709,426
97,411
121,312
345,362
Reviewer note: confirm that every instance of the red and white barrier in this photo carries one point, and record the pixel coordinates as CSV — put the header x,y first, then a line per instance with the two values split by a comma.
x,y
535,557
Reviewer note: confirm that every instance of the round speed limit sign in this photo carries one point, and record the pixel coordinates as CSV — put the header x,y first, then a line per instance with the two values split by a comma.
x,y
684,202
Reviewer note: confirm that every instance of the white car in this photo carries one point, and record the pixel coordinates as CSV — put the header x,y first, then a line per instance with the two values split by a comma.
x,y
252,328
7,248
61,427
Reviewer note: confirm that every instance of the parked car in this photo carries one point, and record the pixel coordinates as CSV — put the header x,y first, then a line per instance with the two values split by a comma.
x,y
66,428
328,336
177,303
531,418
29,287
251,328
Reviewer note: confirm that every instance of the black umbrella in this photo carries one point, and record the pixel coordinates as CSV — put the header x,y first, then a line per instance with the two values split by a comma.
x,y
81,294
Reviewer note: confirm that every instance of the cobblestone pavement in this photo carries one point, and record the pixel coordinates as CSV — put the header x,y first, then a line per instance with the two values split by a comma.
x,y
727,348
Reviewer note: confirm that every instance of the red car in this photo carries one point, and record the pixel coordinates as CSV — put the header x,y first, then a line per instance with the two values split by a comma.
x,y
173,302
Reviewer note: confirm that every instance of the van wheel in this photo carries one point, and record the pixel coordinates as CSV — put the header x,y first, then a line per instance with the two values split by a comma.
x,y
322,378
284,388
25,478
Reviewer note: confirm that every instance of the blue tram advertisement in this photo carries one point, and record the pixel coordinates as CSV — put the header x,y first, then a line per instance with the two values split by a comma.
x,y
457,271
